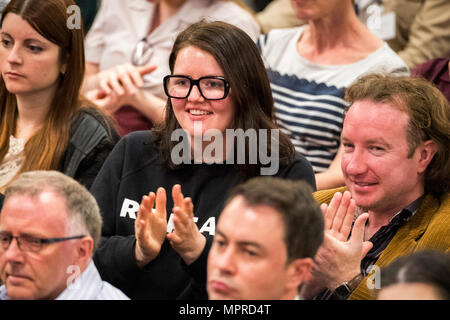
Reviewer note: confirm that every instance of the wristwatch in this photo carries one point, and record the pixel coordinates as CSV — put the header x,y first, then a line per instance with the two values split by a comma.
x,y
346,288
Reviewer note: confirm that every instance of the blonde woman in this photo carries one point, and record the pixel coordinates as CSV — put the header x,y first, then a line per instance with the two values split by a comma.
x,y
310,67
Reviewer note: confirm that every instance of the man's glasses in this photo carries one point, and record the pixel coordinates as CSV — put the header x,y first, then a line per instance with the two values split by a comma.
x,y
211,88
29,243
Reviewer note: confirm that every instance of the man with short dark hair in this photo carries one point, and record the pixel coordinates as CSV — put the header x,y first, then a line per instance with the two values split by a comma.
x,y
49,228
396,166
265,240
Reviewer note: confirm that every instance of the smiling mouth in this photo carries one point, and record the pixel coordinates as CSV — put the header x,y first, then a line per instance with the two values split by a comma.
x,y
364,184
197,112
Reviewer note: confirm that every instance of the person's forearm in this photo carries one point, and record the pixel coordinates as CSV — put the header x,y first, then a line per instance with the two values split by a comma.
x,y
151,106
332,177
190,256
310,289
90,80
329,179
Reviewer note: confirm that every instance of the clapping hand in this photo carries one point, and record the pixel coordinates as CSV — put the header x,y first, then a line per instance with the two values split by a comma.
x,y
150,227
185,238
339,257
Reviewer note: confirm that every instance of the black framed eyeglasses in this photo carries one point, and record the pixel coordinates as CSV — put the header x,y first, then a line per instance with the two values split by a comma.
x,y
210,88
30,243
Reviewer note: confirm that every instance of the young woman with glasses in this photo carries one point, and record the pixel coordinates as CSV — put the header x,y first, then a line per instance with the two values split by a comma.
x,y
217,82
45,122
129,39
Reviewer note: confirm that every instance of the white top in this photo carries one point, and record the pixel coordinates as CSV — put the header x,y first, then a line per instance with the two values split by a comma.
x,y
309,97
120,25
89,286
12,161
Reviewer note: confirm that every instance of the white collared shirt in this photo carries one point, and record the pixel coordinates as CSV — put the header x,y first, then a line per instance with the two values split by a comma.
x,y
89,286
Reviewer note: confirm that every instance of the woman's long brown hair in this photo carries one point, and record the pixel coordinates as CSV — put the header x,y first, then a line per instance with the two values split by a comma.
x,y
243,67
45,148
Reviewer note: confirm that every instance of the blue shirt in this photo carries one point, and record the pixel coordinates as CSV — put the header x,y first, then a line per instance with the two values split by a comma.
x,y
89,286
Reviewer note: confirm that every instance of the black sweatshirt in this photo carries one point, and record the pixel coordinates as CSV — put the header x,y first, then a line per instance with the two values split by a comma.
x,y
132,170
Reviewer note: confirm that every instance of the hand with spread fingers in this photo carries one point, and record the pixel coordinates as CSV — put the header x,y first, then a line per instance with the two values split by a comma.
x,y
339,257
185,238
150,227
338,261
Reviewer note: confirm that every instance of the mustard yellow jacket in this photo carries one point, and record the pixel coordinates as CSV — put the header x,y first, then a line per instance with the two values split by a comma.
x,y
429,228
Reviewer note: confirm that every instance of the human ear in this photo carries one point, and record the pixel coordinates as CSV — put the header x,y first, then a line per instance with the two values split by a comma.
x,y
426,152
64,61
299,271
84,251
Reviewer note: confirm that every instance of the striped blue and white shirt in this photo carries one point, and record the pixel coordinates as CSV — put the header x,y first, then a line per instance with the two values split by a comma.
x,y
309,98
89,286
